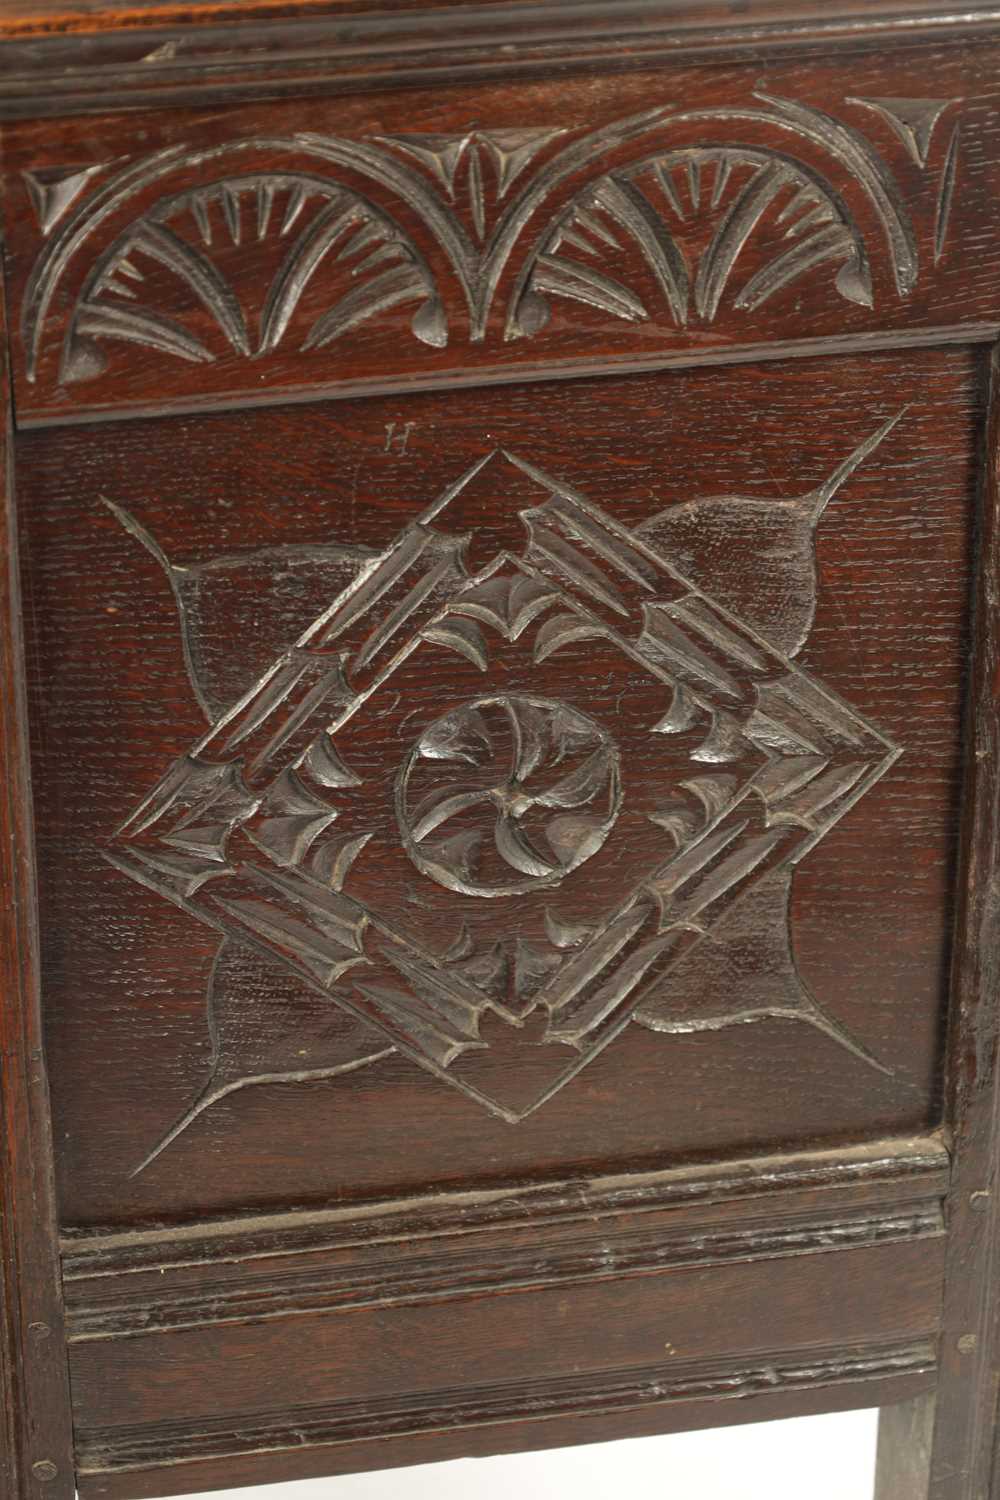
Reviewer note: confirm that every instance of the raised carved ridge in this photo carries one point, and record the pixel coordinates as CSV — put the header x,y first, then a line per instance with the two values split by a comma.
x,y
105,1452
424,1277
309,52
267,831
666,217
893,1172
889,1172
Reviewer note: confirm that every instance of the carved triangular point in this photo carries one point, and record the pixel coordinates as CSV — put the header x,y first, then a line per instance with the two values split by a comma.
x,y
913,121
53,189
439,154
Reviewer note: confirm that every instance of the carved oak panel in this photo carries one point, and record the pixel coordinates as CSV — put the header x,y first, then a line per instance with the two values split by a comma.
x,y
293,826
371,242
496,784
505,504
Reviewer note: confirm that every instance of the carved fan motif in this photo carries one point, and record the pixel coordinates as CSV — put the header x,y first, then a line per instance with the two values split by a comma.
x,y
321,242
670,217
707,222
293,826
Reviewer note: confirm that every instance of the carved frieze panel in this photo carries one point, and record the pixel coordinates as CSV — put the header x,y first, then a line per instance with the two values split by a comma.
x,y
517,702
277,255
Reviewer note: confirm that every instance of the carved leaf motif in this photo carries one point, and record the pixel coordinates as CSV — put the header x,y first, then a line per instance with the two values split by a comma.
x,y
264,598
712,540
174,280
54,190
510,973
267,1026
477,169
744,971
198,806
912,120
508,603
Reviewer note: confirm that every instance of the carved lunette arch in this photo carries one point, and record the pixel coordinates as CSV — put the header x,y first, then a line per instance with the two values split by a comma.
x,y
537,201
171,177
324,215
813,150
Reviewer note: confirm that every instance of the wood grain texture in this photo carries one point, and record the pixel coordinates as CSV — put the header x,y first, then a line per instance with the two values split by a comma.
x,y
965,1439
512,840
35,1445
846,1382
48,16
783,1223
362,1371
73,60
654,1400
493,230
905,1444
119,975
432,1248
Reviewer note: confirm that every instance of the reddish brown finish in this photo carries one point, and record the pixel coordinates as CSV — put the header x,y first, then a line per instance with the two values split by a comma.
x,y
791,1225
904,238
500,835
35,1446
47,16
964,1436
641,1102
66,62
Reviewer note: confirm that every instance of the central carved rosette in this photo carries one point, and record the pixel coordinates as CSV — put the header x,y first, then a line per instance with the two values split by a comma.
x,y
531,791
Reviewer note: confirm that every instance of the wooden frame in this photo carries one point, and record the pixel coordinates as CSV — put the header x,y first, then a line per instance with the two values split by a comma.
x,y
955,1442
36,1455
938,1433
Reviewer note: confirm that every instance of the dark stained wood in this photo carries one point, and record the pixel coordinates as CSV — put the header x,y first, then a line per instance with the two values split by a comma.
x,y
723,1397
124,967
391,1357
788,1227
517,842
965,1435
36,1456
220,261
43,17
414,1250
794,1224
70,58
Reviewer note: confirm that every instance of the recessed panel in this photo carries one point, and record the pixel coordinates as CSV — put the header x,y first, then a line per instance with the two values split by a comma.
x,y
454,788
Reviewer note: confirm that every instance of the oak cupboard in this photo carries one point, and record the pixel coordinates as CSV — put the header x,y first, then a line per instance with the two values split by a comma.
x,y
499,677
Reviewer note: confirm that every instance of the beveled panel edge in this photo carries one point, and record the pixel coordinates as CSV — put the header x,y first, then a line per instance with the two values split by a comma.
x,y
850,1392
156,1460
440,1247
956,335
65,69
324,1285
885,1173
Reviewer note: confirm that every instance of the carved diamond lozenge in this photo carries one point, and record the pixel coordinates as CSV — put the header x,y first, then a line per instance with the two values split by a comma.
x,y
298,827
